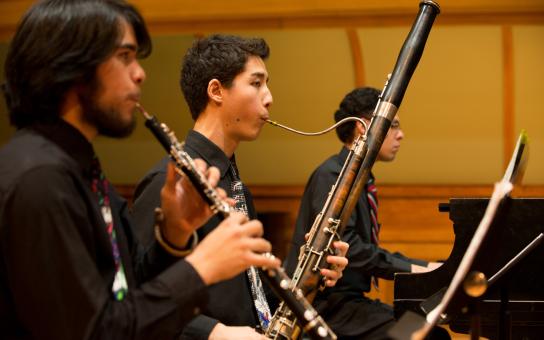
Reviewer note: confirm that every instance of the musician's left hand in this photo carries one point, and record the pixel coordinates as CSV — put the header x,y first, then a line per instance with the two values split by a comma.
x,y
338,264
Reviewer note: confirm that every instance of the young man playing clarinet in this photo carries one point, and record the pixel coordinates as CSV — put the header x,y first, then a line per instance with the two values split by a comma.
x,y
70,267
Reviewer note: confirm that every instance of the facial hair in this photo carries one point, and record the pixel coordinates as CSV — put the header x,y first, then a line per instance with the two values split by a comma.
x,y
107,119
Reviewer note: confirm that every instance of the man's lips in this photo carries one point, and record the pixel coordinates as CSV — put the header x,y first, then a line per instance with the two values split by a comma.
x,y
135,97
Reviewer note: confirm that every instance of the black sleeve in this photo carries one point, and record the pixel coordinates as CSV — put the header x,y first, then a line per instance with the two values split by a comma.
x,y
364,256
146,198
60,280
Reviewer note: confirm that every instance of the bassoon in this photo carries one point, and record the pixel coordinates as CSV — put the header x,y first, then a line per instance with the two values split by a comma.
x,y
330,223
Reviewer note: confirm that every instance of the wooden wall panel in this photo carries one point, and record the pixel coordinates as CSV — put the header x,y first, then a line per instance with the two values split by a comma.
x,y
452,115
529,72
357,57
509,140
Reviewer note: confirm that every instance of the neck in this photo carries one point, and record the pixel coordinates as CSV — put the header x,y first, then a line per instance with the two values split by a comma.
x,y
213,128
72,112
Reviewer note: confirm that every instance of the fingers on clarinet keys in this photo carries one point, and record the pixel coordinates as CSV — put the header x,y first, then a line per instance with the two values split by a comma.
x,y
315,325
270,263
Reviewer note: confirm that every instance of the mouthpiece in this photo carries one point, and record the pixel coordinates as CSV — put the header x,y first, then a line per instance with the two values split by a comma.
x,y
272,122
144,112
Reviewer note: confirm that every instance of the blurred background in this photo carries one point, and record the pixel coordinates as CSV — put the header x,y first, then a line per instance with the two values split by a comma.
x,y
478,83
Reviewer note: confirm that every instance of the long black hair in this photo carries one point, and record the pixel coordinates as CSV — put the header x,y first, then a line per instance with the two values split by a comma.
x,y
59,44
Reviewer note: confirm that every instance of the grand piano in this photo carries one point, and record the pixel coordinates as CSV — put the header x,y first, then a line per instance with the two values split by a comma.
x,y
513,305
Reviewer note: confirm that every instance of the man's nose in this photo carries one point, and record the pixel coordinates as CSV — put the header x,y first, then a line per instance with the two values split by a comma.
x,y
138,74
268,100
400,134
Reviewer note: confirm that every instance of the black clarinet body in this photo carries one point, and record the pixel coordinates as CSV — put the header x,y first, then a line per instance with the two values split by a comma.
x,y
276,278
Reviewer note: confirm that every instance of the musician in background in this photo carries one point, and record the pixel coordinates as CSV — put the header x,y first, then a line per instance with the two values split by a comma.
x,y
346,309
224,82
70,267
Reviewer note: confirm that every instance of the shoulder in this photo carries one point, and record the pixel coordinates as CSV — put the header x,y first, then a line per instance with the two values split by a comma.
x,y
197,145
30,157
155,177
331,167
322,178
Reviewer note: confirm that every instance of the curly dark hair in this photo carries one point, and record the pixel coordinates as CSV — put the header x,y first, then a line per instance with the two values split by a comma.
x,y
59,44
361,103
217,56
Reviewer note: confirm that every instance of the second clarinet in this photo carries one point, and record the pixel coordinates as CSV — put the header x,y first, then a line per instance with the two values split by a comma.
x,y
280,283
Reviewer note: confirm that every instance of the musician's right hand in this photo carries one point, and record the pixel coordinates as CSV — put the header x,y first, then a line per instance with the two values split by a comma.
x,y
233,246
222,332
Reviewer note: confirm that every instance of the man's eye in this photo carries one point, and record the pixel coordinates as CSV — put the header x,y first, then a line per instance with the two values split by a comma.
x,y
125,56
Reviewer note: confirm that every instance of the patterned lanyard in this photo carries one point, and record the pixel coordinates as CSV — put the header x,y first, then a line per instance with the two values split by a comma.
x,y
257,291
372,197
100,186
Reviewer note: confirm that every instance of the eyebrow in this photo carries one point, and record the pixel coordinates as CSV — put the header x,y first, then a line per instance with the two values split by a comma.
x,y
260,75
129,46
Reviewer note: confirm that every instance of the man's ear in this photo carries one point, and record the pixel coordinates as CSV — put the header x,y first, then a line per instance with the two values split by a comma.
x,y
360,128
215,91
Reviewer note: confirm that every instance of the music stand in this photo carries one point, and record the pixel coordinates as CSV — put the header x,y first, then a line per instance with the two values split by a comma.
x,y
412,325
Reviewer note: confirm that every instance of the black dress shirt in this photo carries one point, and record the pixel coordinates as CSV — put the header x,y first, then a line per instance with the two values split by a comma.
x,y
344,306
230,301
57,266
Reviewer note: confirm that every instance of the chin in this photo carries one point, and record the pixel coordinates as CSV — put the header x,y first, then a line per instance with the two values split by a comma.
x,y
252,136
388,158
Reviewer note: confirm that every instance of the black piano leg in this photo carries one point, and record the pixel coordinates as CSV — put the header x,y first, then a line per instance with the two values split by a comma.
x,y
505,317
475,319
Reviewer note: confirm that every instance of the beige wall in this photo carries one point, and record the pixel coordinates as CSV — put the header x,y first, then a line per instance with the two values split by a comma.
x,y
452,113
529,92
5,129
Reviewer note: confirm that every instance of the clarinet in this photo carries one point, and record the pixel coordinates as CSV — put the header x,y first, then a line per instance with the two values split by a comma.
x,y
330,223
276,278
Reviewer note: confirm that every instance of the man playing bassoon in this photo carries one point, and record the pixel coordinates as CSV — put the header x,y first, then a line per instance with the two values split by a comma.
x,y
346,309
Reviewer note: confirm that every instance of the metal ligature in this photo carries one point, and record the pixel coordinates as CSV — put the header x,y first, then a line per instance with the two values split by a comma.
x,y
276,278
330,223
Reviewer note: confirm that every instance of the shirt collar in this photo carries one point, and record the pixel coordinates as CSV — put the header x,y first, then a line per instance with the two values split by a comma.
x,y
208,151
70,140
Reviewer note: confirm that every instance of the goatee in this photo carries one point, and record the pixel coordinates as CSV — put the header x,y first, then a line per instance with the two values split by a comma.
x,y
108,120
